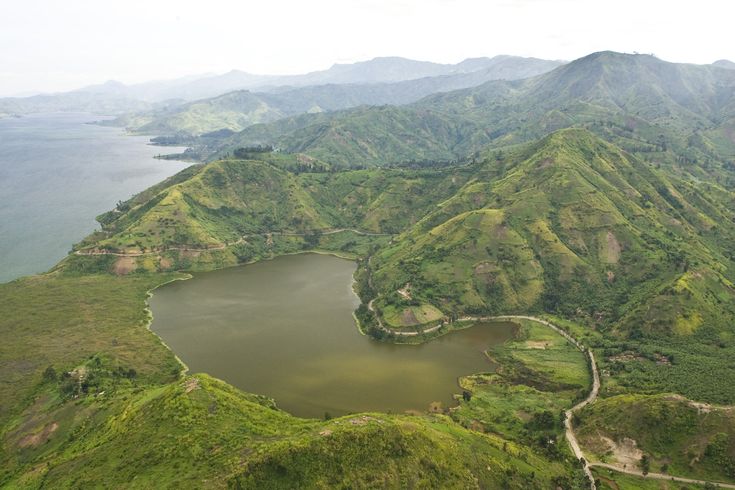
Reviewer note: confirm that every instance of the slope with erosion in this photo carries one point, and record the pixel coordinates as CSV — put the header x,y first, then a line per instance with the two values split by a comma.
x,y
676,436
570,225
238,209
574,226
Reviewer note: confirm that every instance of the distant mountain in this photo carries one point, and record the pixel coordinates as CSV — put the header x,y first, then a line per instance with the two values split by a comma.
x,y
376,70
727,64
240,109
615,93
113,97
97,103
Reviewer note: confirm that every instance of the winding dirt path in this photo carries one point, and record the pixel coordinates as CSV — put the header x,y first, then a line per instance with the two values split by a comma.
x,y
659,476
568,414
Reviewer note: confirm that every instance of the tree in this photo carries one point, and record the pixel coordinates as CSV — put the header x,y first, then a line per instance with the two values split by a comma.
x,y
312,238
645,464
49,374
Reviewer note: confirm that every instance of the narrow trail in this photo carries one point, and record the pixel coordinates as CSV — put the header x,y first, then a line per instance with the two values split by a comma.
x,y
660,476
242,239
568,414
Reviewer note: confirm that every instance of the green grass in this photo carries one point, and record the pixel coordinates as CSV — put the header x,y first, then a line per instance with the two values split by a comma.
x,y
538,376
59,321
679,437
202,432
612,480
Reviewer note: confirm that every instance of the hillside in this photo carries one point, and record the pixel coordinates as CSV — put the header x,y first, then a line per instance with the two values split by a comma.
x,y
220,203
573,221
79,101
677,436
675,112
569,225
200,431
240,109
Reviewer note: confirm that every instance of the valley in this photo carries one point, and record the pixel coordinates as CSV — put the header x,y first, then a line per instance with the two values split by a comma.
x,y
538,271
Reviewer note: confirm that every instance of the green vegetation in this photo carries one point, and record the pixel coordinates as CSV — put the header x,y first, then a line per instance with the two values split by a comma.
x,y
601,198
674,113
239,109
613,480
59,321
539,375
569,225
200,431
675,435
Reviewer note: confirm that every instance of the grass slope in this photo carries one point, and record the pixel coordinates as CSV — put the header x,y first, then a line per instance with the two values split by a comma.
x,y
569,225
202,432
679,437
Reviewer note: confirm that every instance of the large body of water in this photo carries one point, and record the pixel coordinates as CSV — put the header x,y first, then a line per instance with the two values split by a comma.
x,y
284,328
56,174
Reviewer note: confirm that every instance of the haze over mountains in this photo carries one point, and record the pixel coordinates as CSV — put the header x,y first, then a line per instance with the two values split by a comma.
x,y
114,97
596,195
641,99
239,109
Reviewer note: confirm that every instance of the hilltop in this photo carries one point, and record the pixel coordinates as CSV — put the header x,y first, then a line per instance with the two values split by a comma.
x,y
200,431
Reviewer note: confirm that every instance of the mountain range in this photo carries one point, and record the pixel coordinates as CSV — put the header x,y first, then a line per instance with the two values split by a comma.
x,y
113,97
639,100
596,197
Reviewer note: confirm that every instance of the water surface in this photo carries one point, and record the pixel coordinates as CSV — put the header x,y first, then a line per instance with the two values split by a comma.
x,y
56,174
284,328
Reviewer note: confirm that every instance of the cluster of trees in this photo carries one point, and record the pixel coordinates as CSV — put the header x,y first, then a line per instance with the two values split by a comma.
x,y
95,376
248,152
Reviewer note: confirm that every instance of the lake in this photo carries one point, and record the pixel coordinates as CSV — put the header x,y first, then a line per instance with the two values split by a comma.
x,y
284,328
56,174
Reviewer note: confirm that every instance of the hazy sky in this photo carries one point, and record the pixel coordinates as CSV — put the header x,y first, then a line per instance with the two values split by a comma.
x,y
48,45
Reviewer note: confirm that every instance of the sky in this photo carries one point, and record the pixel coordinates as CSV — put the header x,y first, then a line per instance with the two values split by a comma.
x,y
56,45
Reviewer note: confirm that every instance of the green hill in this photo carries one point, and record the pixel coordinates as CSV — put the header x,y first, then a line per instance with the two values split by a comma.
x,y
574,226
645,105
569,225
677,436
202,432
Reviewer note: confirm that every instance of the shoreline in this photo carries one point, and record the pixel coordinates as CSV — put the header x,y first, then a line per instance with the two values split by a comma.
x,y
149,317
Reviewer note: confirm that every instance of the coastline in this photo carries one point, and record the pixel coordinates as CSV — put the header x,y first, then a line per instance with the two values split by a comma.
x,y
149,318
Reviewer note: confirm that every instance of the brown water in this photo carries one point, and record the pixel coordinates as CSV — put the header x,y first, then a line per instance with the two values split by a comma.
x,y
284,328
